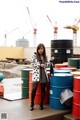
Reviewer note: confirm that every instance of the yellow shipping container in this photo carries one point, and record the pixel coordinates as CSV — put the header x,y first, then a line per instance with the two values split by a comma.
x,y
11,52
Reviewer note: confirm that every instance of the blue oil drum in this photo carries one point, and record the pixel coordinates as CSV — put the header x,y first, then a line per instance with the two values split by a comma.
x,y
59,82
1,76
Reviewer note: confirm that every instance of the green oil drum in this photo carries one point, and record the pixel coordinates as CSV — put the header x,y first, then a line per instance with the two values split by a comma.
x,y
73,62
25,82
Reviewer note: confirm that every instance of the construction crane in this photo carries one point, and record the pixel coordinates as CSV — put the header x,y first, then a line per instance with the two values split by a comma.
x,y
33,26
54,26
26,34
75,28
5,35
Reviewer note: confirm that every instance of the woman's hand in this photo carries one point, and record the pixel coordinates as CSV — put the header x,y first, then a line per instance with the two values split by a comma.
x,y
42,65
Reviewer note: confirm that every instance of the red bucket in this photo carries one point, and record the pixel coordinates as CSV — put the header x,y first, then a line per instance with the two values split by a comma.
x,y
76,97
38,92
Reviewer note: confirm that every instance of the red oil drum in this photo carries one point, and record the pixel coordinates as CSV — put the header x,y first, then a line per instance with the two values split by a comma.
x,y
61,65
38,92
76,97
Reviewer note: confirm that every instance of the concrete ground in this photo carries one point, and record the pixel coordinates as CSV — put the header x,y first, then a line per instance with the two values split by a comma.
x,y
19,109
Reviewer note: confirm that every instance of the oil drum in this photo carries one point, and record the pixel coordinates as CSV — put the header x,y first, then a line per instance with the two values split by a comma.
x,y
61,50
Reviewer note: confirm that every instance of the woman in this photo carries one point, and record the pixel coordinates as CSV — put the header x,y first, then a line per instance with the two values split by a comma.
x,y
39,63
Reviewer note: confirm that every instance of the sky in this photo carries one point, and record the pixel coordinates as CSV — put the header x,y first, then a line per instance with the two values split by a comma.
x,y
15,21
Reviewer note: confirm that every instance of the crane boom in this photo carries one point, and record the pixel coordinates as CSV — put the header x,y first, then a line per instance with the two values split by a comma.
x,y
55,27
5,35
50,20
12,30
78,21
30,17
75,28
33,26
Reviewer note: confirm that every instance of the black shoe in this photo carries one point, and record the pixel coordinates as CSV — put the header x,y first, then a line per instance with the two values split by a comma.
x,y
41,107
31,108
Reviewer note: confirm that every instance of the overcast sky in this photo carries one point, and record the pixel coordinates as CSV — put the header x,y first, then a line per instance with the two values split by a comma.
x,y
15,22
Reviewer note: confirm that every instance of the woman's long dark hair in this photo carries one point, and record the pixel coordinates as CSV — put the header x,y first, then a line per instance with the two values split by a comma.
x,y
43,54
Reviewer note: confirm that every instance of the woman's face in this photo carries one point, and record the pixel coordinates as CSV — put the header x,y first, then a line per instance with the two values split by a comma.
x,y
41,50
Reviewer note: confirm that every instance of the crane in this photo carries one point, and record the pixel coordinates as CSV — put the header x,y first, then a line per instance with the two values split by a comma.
x,y
26,33
33,26
74,28
5,35
54,26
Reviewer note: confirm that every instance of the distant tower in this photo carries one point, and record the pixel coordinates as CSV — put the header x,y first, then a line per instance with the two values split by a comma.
x,y
22,43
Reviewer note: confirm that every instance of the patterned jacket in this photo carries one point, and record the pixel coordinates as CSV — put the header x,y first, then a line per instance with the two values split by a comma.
x,y
36,71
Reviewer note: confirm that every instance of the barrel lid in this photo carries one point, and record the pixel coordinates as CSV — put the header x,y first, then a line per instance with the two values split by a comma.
x,y
76,72
77,77
62,70
73,58
62,74
69,68
27,69
61,64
